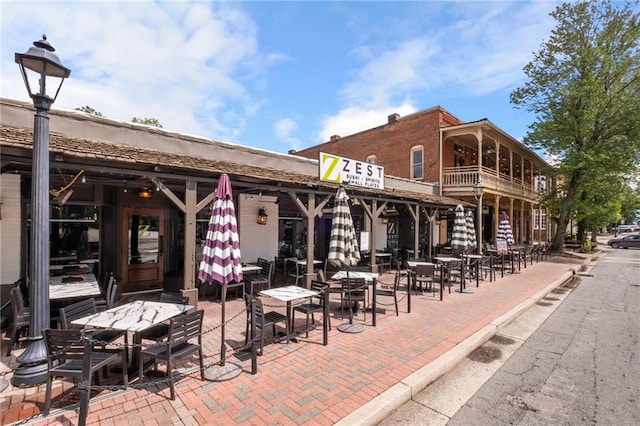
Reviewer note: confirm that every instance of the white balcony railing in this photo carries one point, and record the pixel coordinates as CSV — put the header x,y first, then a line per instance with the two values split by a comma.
x,y
462,179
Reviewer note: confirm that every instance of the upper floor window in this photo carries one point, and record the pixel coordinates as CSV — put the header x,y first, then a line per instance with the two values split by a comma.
x,y
372,159
417,163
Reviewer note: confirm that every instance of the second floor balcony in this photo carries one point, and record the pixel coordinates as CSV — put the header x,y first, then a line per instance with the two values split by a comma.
x,y
460,181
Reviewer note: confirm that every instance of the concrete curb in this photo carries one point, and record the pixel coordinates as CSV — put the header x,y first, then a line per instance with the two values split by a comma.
x,y
385,404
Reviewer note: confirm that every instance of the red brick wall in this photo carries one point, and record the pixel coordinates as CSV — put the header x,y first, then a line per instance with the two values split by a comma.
x,y
391,143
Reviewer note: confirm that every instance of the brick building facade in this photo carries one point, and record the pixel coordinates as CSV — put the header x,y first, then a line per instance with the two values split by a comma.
x,y
435,146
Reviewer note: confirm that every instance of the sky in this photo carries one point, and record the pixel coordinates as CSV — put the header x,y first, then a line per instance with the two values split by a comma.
x,y
281,75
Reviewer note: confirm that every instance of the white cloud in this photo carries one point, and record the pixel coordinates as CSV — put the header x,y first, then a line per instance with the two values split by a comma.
x,y
481,51
352,120
182,63
284,129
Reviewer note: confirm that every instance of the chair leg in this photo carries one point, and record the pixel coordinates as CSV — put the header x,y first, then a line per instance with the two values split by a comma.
x,y
47,397
171,380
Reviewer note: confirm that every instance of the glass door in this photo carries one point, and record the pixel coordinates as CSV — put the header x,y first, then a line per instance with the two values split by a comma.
x,y
142,249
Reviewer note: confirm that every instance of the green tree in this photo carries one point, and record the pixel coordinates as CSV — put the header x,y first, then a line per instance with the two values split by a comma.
x,y
89,110
148,121
584,88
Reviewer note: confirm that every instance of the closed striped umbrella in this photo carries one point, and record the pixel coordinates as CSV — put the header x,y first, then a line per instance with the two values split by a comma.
x,y
504,229
221,258
459,236
472,243
343,243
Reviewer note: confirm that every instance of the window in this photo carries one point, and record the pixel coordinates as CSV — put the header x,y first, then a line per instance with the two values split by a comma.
x,y
417,163
372,159
539,219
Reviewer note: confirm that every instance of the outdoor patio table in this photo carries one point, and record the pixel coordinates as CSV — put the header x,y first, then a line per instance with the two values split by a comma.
x,y
384,255
446,260
476,258
288,294
250,269
135,316
75,286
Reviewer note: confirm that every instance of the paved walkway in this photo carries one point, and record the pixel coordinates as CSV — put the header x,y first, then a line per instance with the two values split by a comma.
x,y
356,379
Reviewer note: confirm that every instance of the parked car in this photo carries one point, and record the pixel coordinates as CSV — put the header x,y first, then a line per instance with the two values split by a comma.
x,y
625,242
628,228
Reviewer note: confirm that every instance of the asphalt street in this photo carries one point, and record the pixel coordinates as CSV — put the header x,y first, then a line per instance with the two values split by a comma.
x,y
573,359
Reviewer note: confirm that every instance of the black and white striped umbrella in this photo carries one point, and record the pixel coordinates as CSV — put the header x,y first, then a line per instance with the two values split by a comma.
x,y
472,244
459,239
343,243
504,229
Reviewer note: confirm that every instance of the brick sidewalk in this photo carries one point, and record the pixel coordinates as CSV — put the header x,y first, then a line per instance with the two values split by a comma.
x,y
305,382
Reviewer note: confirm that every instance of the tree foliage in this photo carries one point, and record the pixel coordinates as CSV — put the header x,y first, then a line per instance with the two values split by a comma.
x,y
87,109
148,121
584,88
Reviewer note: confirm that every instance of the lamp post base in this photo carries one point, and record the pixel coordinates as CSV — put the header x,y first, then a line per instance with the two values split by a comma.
x,y
30,375
351,328
222,373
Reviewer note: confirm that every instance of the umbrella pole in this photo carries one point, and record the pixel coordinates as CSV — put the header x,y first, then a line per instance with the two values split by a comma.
x,y
223,370
350,327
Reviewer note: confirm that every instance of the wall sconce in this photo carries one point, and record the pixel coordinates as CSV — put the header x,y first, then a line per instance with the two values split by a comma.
x,y
145,193
384,220
262,216
458,148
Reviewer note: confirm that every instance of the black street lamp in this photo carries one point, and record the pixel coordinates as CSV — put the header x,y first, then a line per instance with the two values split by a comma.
x,y
38,62
478,188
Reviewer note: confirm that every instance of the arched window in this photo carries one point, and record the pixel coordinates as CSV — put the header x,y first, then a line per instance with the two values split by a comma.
x,y
372,159
417,162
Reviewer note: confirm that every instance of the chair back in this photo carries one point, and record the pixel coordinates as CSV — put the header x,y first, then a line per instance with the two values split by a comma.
x,y
352,284
185,327
322,288
173,298
24,291
75,311
425,270
17,303
63,345
112,291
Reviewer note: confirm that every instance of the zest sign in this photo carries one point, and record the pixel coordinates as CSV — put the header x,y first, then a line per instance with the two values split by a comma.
x,y
334,168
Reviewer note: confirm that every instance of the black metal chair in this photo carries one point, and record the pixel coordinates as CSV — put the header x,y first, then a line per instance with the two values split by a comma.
x,y
424,274
160,332
85,308
66,353
314,305
263,319
183,330
389,291
20,322
262,279
353,291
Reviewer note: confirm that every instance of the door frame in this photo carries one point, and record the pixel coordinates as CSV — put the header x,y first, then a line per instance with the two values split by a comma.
x,y
143,276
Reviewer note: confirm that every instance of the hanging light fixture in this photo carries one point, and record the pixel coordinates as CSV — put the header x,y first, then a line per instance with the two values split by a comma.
x,y
262,216
145,193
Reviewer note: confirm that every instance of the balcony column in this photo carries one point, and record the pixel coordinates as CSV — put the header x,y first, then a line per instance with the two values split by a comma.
x,y
522,222
511,200
496,217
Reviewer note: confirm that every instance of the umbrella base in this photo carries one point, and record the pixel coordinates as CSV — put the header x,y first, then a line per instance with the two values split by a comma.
x,y
221,373
351,328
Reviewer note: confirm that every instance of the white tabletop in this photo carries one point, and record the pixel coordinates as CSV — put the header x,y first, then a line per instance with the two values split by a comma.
x,y
251,268
383,254
473,256
413,263
368,276
446,259
302,261
288,293
87,286
134,316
